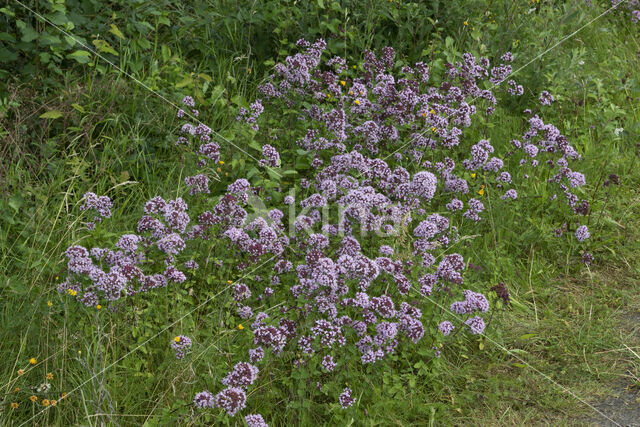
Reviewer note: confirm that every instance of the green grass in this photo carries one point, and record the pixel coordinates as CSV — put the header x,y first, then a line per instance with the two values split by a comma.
x,y
567,322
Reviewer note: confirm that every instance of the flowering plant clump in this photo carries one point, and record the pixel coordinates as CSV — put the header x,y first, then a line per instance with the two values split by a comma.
x,y
370,265
181,345
632,6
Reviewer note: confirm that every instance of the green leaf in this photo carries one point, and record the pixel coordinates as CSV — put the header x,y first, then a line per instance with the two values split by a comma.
x,y
449,42
7,37
252,172
255,145
527,336
47,39
8,12
15,203
116,31
29,34
82,56
184,82
53,114
78,107
7,56
58,18
273,174
104,47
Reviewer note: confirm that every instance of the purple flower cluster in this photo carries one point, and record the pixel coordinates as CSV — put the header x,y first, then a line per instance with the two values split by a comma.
x,y
345,398
446,327
181,345
231,399
582,233
204,399
255,420
242,375
197,184
100,204
632,6
271,157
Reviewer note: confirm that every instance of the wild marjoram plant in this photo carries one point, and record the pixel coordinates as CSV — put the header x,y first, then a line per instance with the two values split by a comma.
x,y
380,154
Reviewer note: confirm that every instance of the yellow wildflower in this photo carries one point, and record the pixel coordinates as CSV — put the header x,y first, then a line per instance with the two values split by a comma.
x,y
34,398
432,111
433,129
63,395
328,95
481,191
424,114
45,402
355,66
350,92
72,292
473,175
240,326
33,361
342,82
20,371
14,405
50,376
229,281
54,402
226,174
17,389
357,102
98,306
219,170
465,23
49,303
177,339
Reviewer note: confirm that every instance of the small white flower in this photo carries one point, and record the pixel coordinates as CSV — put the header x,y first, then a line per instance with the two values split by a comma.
x,y
618,131
44,387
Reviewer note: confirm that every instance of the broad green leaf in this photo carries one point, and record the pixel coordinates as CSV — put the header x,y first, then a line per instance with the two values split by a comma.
x,y
53,114
29,34
104,47
527,336
58,18
116,31
273,174
82,56
255,145
78,107
184,82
